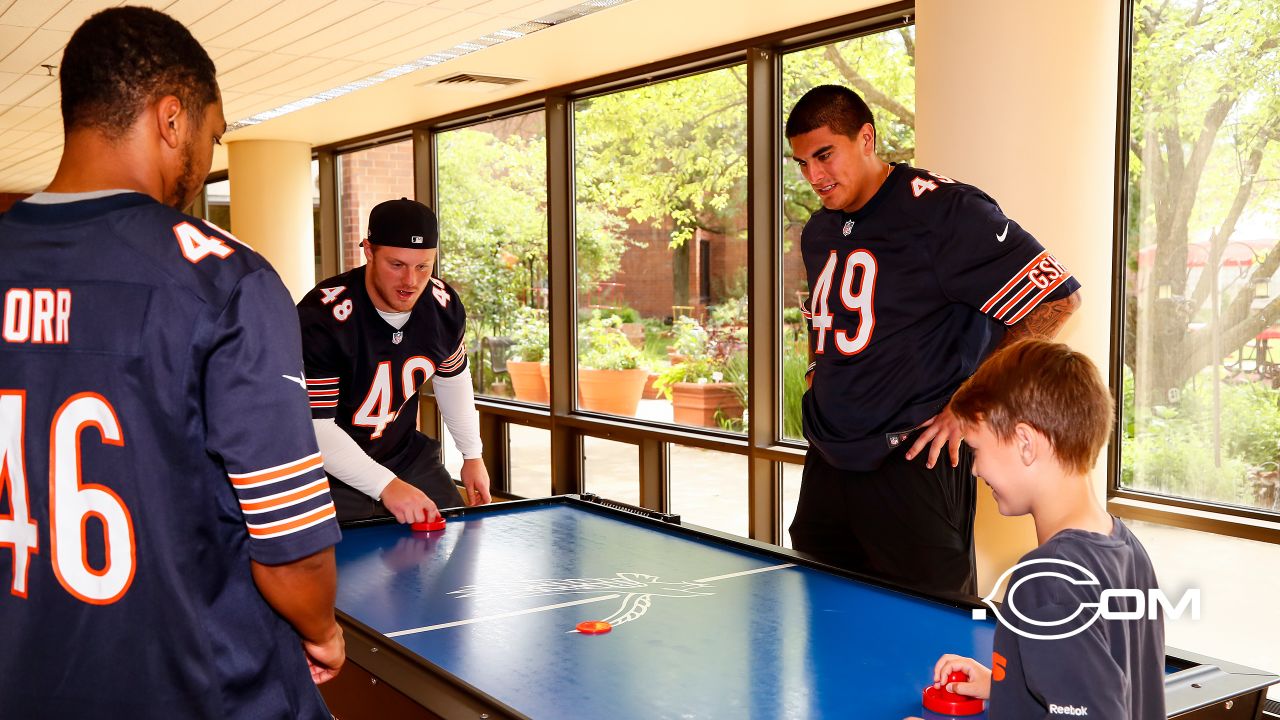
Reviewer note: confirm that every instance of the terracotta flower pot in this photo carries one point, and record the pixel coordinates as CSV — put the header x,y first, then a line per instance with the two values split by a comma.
x,y
651,392
699,403
616,392
527,381
546,381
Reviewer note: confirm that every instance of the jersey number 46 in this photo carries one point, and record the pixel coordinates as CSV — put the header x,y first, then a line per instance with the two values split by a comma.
x,y
71,502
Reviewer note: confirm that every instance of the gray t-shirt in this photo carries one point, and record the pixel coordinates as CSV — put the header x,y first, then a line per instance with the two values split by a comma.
x,y
1110,669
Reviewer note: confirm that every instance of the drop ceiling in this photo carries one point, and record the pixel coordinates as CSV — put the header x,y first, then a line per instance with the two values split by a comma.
x,y
272,53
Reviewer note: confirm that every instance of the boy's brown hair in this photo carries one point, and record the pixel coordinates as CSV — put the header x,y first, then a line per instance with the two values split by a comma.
x,y
1048,386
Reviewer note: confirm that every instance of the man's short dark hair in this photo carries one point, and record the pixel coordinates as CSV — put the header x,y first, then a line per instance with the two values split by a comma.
x,y
832,106
122,60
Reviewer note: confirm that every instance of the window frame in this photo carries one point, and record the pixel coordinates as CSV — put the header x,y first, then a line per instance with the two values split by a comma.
x,y
763,444
1187,513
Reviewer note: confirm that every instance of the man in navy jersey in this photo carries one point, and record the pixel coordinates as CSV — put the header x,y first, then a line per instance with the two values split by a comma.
x,y
167,530
371,337
914,280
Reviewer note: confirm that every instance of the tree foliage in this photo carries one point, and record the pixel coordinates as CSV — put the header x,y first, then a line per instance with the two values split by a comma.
x,y
493,222
1204,152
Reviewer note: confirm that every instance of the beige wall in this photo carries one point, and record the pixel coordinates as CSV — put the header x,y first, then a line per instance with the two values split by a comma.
x,y
271,206
1019,98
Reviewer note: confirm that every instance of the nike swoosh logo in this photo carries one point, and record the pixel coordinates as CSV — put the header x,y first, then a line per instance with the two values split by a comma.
x,y
1001,236
300,382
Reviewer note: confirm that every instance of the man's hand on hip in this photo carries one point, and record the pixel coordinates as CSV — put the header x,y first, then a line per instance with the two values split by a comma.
x,y
941,430
408,503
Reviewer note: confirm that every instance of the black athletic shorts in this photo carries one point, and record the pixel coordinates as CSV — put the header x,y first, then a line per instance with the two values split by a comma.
x,y
425,472
903,523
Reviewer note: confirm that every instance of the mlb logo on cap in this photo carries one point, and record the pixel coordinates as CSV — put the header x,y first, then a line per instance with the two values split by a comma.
x,y
403,223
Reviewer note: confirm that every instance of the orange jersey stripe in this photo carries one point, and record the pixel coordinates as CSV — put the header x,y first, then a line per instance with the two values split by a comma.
x,y
307,463
1014,280
283,499
284,527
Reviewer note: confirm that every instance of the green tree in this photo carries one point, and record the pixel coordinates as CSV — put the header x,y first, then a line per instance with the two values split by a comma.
x,y
1203,154
493,222
673,154
880,68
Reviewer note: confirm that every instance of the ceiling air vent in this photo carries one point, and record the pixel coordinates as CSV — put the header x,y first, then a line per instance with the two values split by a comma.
x,y
473,79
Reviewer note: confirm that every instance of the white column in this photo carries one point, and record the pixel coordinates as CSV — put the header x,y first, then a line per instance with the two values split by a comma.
x,y
1019,98
271,206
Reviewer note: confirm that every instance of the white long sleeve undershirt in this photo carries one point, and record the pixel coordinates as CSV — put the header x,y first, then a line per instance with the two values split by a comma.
x,y
346,460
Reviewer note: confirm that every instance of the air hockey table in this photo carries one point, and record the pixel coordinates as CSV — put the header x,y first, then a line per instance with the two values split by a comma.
x,y
479,621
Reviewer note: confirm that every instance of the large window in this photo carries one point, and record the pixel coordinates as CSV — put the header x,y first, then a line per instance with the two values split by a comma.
x,y
1201,363
217,203
492,188
661,250
881,67
366,178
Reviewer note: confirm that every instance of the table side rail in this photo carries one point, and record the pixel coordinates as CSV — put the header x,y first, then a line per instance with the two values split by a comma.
x,y
419,679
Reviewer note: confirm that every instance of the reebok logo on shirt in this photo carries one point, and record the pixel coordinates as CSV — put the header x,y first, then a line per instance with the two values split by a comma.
x,y
1068,710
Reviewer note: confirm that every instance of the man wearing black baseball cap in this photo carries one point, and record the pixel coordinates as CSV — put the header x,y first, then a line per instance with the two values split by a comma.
x,y
371,336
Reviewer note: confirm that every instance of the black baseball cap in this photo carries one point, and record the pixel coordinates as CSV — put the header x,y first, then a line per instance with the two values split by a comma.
x,y
403,223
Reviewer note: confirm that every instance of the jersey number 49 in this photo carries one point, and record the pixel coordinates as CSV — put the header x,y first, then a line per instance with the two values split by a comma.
x,y
856,292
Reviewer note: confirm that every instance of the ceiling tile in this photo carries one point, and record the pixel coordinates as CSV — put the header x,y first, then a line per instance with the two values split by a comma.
x,y
188,12
332,15
76,12
323,42
34,50
30,13
230,15
255,67
11,37
276,80
23,87
15,115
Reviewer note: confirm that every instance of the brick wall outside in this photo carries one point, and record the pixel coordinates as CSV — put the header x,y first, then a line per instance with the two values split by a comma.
x,y
645,279
367,177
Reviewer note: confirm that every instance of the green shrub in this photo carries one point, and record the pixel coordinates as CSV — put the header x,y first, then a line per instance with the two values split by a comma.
x,y
529,339
602,346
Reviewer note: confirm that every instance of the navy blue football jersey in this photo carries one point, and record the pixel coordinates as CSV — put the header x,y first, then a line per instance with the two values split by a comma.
x,y
1075,663
154,438
907,296
365,373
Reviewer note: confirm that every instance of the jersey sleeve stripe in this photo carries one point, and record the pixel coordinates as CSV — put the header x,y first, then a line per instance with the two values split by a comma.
x,y
285,499
322,393
321,382
324,403
457,354
276,474
1004,309
286,527
1013,282
1037,300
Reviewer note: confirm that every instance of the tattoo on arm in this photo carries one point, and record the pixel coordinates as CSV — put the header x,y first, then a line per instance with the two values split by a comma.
x,y
1045,321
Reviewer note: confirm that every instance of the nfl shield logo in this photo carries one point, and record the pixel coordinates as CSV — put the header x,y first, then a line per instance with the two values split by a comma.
x,y
396,337
848,228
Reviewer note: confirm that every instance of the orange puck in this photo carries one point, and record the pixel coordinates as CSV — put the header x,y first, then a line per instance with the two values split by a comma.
x,y
594,627
429,526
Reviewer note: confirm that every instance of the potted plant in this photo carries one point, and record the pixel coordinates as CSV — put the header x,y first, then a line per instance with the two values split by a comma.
x,y
528,354
705,389
631,325
609,377
690,339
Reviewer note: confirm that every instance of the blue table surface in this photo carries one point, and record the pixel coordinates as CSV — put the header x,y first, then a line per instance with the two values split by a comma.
x,y
701,629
